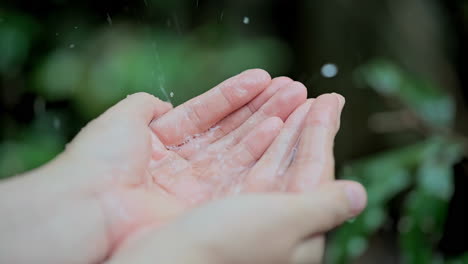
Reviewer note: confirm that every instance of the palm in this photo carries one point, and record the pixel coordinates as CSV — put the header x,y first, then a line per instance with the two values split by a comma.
x,y
153,173
194,172
159,171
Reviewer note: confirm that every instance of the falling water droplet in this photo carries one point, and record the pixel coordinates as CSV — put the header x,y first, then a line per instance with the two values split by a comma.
x,y
329,70
109,19
72,46
39,106
246,20
171,94
57,123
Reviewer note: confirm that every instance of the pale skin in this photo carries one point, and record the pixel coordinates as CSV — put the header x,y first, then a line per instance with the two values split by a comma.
x,y
255,228
142,165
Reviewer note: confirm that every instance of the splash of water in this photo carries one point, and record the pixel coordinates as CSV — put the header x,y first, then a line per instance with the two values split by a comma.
x,y
159,73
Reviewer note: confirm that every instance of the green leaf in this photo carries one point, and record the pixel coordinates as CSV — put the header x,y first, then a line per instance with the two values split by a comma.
x,y
427,204
429,102
385,176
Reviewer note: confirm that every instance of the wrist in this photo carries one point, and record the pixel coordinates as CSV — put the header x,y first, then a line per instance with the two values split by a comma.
x,y
40,206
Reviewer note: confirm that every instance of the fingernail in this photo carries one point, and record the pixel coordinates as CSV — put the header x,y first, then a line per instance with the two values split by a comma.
x,y
357,197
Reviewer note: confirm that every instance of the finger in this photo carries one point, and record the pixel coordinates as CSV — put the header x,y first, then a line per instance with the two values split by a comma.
x,y
309,251
252,147
137,107
281,105
317,213
200,113
314,160
290,217
265,175
240,116
276,221
129,117
144,107
232,121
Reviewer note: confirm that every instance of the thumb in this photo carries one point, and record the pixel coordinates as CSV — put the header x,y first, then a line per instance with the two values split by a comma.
x,y
139,106
262,218
230,230
329,206
126,120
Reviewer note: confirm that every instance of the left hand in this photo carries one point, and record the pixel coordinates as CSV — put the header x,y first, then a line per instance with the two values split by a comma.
x,y
95,194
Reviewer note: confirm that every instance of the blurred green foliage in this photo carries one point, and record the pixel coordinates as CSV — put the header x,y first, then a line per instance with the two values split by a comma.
x,y
93,69
422,171
399,136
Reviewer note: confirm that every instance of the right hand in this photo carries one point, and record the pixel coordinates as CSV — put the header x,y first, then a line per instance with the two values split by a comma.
x,y
260,229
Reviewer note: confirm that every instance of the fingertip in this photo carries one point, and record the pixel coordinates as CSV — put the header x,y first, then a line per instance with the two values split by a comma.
x,y
324,111
275,85
357,197
167,104
139,106
341,100
300,89
275,123
141,95
330,98
291,96
309,103
296,119
282,79
257,75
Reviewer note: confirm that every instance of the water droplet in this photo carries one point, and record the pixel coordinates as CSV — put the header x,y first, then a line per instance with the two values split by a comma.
x,y
72,46
329,70
56,34
39,106
171,94
109,19
76,27
57,123
246,20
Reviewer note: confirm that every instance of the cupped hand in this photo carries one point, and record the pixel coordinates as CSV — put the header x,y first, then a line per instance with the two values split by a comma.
x,y
254,228
297,158
156,164
106,186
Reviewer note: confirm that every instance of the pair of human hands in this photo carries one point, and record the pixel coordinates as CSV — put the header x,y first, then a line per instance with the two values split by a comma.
x,y
126,188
